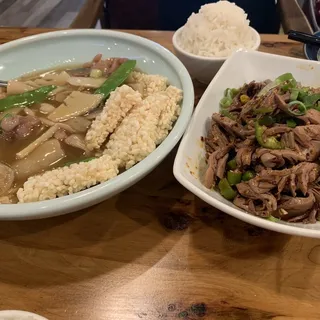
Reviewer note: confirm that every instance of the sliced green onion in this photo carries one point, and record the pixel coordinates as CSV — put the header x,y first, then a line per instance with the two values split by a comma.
x,y
303,92
270,142
287,80
273,219
310,100
227,93
226,190
267,88
291,123
285,77
263,110
227,114
287,86
294,94
248,175
296,108
225,102
231,93
232,164
234,92
234,177
266,121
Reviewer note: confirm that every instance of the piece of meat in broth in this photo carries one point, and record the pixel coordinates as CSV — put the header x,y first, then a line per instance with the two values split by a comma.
x,y
18,127
27,124
107,66
9,123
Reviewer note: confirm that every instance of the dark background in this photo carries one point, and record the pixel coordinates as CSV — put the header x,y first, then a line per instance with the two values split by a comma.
x,y
172,14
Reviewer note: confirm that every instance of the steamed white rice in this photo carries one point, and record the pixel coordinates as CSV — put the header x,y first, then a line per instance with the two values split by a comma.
x,y
217,30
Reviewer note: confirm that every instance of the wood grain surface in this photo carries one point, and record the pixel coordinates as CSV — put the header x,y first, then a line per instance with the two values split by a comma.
x,y
157,252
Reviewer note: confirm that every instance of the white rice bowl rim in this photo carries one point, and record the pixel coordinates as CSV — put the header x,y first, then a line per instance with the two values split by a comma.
x,y
177,34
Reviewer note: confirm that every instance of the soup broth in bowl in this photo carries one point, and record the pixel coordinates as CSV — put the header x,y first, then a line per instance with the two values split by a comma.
x,y
117,158
67,129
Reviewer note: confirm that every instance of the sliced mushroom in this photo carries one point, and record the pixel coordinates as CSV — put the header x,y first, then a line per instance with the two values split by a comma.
x,y
77,141
60,93
6,178
77,104
61,96
29,112
79,124
46,108
86,82
47,122
60,89
58,79
61,135
31,83
17,87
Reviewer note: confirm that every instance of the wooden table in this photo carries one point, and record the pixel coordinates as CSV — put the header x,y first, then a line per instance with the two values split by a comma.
x,y
157,252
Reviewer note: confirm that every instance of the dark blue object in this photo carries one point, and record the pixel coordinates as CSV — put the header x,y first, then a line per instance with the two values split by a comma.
x,y
311,51
304,37
263,14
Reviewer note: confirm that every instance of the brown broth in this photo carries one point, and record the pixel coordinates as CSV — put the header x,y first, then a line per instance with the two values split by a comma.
x,y
9,149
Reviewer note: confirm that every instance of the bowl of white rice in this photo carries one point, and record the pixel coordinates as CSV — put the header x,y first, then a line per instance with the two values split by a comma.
x,y
210,36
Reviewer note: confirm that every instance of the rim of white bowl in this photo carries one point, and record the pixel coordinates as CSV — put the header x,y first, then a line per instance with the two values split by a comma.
x,y
19,313
63,205
286,228
194,56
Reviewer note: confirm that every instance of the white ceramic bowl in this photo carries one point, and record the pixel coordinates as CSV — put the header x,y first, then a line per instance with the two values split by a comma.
x,y
241,67
19,315
77,46
201,68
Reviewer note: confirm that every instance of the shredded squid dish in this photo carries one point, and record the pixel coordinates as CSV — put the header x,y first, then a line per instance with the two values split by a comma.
x,y
263,149
65,130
